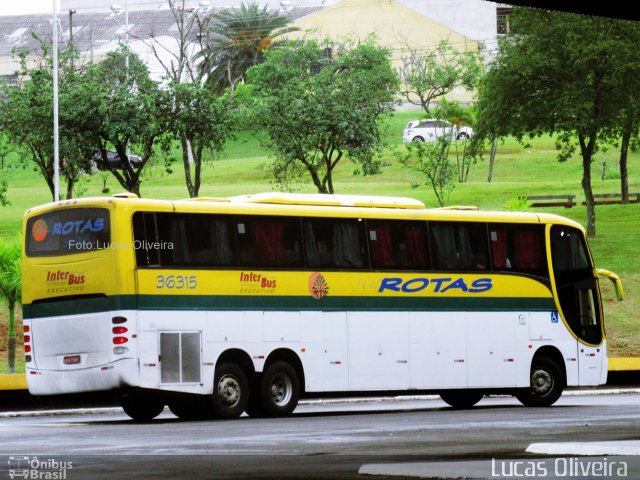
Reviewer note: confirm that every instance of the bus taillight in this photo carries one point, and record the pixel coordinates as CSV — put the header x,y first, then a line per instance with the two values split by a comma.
x,y
119,330
27,343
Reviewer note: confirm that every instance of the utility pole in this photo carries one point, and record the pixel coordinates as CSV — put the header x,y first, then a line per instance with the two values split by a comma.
x,y
71,12
56,144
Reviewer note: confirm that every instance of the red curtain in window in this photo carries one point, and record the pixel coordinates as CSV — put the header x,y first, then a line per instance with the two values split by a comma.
x,y
528,250
381,247
416,240
499,244
268,241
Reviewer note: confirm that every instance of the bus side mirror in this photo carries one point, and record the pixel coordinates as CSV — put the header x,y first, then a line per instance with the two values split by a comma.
x,y
615,279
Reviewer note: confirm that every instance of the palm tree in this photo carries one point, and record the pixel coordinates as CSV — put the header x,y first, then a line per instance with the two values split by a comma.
x,y
237,39
11,289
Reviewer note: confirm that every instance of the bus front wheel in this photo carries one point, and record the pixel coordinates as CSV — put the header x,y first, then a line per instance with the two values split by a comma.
x,y
230,391
461,399
280,389
547,383
141,408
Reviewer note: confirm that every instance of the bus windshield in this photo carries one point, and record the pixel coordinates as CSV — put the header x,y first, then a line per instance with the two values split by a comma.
x,y
576,284
67,231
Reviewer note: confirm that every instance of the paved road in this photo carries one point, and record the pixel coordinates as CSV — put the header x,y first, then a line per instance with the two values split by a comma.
x,y
331,440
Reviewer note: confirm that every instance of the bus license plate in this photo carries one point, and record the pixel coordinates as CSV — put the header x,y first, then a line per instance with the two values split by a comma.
x,y
71,359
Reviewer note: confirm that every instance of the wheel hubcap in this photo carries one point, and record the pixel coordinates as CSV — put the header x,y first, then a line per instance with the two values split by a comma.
x,y
229,391
541,382
281,388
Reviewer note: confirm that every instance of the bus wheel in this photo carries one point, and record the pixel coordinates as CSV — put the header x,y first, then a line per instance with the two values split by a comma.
x,y
280,389
547,383
230,391
141,408
462,399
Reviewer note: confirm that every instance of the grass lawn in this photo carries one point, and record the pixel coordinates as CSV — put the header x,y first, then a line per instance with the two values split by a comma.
x,y
518,171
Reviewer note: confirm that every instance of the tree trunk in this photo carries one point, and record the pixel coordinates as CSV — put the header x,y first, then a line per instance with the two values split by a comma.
x,y
70,182
624,175
587,155
186,148
492,158
197,159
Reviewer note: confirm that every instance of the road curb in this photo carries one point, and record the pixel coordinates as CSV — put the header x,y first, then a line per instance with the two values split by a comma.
x,y
624,364
13,381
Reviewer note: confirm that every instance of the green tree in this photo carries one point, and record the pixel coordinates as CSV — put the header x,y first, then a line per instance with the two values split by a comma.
x,y
201,121
464,150
431,160
26,116
237,39
11,289
563,74
318,109
428,74
124,110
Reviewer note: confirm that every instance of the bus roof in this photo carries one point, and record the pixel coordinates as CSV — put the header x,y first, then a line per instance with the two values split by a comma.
x,y
313,204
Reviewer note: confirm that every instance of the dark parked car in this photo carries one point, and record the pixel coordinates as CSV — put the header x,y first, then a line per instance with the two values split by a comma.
x,y
115,162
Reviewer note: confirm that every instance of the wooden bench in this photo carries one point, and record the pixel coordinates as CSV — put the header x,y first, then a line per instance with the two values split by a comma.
x,y
612,198
566,201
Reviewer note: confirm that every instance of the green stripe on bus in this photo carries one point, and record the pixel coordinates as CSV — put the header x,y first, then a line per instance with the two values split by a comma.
x,y
290,303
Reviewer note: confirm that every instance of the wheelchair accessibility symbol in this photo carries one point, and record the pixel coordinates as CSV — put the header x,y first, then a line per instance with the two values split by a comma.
x,y
555,317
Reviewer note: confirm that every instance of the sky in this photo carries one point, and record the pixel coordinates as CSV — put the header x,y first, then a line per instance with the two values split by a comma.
x,y
10,7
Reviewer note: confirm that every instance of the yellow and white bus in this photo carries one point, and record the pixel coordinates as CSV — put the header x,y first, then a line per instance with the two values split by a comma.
x,y
216,307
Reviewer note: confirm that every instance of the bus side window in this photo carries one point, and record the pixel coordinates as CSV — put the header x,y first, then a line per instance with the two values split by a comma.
x,y
519,248
398,245
269,241
459,246
186,240
334,243
145,236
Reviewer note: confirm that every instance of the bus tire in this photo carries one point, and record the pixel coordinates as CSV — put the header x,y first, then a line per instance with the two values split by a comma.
x,y
280,389
547,383
230,391
461,399
141,408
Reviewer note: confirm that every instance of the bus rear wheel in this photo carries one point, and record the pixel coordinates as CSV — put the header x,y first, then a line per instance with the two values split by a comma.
x,y
141,408
280,389
461,399
230,391
547,383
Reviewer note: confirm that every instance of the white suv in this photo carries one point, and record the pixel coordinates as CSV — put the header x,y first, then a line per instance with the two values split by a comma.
x,y
430,129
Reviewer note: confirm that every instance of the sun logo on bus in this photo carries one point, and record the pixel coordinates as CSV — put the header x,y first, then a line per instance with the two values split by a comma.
x,y
39,230
318,286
